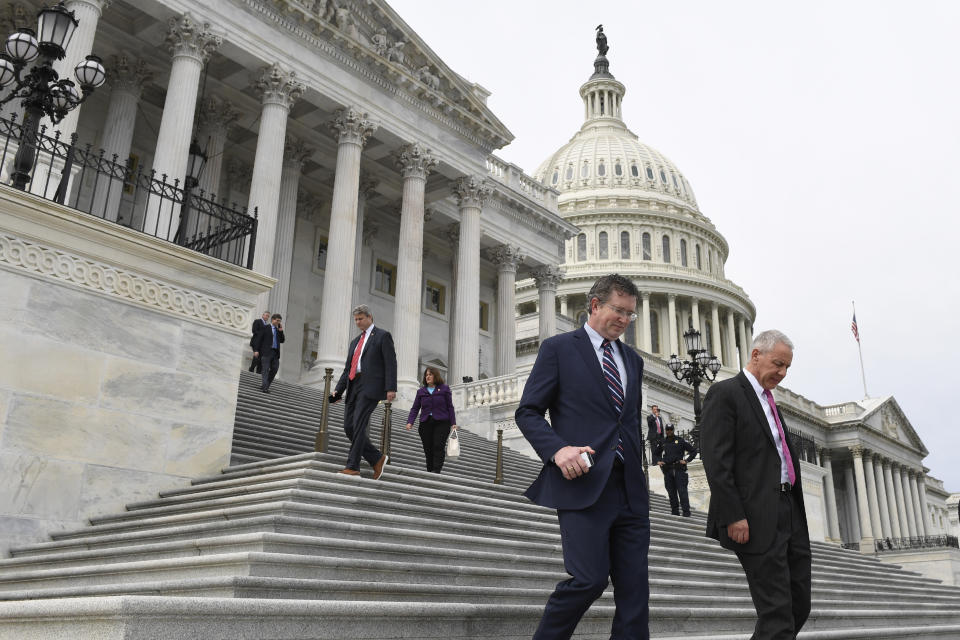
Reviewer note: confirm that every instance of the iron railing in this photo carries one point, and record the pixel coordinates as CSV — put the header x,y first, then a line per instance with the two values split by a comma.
x,y
87,180
804,445
855,546
918,542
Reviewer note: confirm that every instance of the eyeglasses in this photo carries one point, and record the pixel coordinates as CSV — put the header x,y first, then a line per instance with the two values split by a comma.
x,y
623,313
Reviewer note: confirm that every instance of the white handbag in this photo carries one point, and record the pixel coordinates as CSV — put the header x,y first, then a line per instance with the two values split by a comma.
x,y
453,445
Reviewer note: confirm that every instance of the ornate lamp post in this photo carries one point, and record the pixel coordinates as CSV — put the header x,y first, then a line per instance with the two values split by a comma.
x,y
195,162
42,90
701,366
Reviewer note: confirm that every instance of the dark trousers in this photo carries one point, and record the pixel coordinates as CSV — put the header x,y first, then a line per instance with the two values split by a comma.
x,y
675,481
356,422
255,364
434,434
779,578
270,361
605,539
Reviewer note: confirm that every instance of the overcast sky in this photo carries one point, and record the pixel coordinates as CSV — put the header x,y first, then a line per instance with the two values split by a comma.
x,y
820,137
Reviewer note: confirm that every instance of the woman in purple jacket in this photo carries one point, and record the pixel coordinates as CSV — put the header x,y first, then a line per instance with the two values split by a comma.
x,y
434,402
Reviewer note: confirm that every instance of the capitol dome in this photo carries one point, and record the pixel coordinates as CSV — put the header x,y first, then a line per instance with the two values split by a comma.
x,y
637,216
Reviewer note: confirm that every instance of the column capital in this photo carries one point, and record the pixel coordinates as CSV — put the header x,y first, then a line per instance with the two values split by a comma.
x,y
644,295
672,297
471,191
885,462
277,86
824,453
857,451
415,160
215,114
368,184
187,37
506,257
547,277
96,5
238,172
452,233
296,152
352,126
127,74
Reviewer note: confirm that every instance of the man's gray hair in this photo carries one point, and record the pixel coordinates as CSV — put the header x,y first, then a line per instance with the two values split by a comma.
x,y
362,309
767,340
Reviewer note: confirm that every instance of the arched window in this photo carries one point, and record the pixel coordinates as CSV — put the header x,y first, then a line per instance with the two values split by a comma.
x,y
602,249
675,182
556,176
666,249
569,175
708,336
584,170
581,247
654,331
630,335
647,252
601,169
634,171
699,264
649,173
618,169
663,177
625,245
710,261
683,252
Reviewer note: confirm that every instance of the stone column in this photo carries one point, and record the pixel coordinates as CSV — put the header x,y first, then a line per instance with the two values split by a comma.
x,y
368,184
646,342
915,501
885,527
872,494
213,121
126,78
924,507
87,13
190,44
470,192
547,279
294,154
908,502
744,346
853,511
695,313
731,357
715,332
415,162
563,306
901,508
507,258
830,497
866,529
452,234
749,337
672,320
352,128
278,91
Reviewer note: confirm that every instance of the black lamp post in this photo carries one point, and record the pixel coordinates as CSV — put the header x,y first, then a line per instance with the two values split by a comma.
x,y
195,161
701,366
42,90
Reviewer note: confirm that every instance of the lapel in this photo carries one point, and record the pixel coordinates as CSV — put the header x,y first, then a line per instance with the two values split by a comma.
x,y
366,344
754,403
632,375
585,348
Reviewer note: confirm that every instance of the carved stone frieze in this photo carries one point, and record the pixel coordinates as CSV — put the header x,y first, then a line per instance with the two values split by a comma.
x,y
352,125
187,37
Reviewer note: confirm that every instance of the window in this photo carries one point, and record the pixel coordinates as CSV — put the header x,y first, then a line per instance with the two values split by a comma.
x,y
683,252
630,336
649,173
618,169
581,247
570,172
708,336
585,170
663,177
666,249
654,332
699,264
634,171
321,253
434,297
603,251
625,245
647,252
385,279
601,169
675,182
556,176
484,316
709,262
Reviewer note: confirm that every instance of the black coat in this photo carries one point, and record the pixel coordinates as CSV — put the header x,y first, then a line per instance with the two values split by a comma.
x,y
378,364
263,340
258,326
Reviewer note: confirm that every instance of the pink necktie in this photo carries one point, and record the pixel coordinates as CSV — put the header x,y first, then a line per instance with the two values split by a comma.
x,y
791,474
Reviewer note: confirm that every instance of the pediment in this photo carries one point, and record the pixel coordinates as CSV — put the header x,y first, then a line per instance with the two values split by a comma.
x,y
888,418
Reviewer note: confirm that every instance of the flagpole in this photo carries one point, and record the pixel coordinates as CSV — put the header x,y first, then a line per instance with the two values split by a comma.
x,y
863,375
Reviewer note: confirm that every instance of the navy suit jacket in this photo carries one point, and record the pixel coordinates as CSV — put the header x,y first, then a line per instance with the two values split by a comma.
x,y
567,381
378,365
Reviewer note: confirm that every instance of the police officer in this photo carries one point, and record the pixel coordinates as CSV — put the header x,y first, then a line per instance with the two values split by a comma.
x,y
668,454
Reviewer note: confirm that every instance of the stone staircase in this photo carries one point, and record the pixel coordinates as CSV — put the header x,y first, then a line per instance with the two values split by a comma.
x,y
280,546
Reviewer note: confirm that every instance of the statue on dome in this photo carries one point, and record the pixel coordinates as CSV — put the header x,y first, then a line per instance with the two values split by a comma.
x,y
602,41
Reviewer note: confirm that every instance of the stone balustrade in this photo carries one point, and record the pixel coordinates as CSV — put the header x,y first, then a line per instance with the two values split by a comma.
x,y
502,390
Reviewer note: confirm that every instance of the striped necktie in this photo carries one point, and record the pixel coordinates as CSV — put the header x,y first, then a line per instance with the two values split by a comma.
x,y
612,375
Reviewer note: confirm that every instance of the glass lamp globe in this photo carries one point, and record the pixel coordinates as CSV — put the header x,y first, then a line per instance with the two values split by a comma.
x,y
7,70
22,46
90,72
57,25
674,363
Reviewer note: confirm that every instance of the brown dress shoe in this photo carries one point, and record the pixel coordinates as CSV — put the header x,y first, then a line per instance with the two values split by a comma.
x,y
350,472
378,468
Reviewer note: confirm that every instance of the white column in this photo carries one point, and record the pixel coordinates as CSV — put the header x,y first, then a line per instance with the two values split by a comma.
x,y
278,91
368,184
352,129
908,502
872,494
295,152
563,305
853,509
415,162
87,13
547,279
191,45
213,122
126,78
749,337
470,192
866,529
731,355
452,234
882,498
672,320
901,507
830,497
715,332
915,501
744,346
646,341
695,313
924,508
507,258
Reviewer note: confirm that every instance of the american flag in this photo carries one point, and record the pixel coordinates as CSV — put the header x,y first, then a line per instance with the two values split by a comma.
x,y
853,327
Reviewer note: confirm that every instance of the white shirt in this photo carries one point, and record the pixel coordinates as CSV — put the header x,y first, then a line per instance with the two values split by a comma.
x,y
366,339
596,339
771,422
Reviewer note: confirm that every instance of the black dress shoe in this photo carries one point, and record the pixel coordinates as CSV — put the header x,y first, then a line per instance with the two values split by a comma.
x,y
264,390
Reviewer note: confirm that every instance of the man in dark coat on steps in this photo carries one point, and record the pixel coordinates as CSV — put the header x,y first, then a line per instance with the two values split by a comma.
x,y
266,346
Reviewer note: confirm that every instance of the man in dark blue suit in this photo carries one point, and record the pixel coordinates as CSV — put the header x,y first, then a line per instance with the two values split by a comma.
x,y
592,472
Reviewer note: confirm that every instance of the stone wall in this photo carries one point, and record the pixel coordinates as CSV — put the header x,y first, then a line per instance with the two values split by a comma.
x,y
121,361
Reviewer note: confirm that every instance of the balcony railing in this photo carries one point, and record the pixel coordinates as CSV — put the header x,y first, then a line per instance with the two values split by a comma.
x,y
86,180
919,542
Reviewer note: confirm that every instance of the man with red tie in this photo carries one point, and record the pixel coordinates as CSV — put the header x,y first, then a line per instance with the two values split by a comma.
x,y
655,426
369,376
756,497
